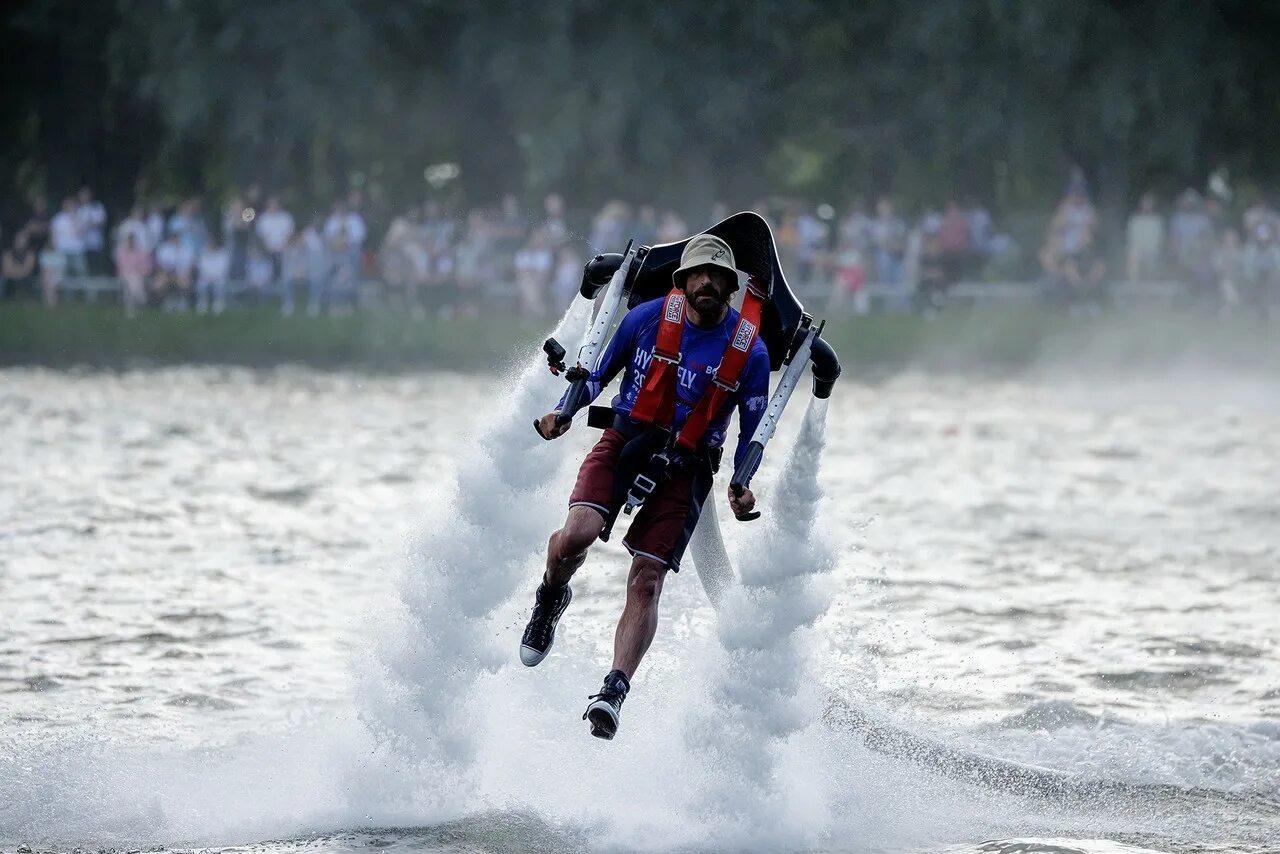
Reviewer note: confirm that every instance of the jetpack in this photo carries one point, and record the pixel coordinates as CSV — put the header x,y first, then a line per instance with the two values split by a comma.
x,y
642,273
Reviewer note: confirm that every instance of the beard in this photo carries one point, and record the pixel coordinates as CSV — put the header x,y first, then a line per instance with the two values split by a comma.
x,y
708,299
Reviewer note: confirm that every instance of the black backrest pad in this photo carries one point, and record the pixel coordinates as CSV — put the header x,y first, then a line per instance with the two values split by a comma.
x,y
749,237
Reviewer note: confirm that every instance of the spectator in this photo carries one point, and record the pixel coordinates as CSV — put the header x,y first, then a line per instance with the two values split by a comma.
x,y
134,225
133,266
982,231
787,242
342,253
608,229
295,273
187,223
1085,273
511,229
237,231
318,267
155,226
444,268
171,285
931,279
645,229
854,232
212,278
1256,213
533,265
18,267
1191,241
437,228
335,226
930,221
92,217
1262,264
260,274
1230,267
274,226
889,241
1077,184
671,228
554,227
849,282
67,239
37,225
1145,240
405,257
953,244
1075,222
813,235
476,263
357,230
1217,214
1052,270
53,269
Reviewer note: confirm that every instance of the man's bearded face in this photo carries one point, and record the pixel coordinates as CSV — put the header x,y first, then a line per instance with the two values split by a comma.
x,y
708,288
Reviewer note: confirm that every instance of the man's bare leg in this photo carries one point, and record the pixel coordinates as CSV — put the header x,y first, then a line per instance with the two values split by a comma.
x,y
639,621
567,547
566,550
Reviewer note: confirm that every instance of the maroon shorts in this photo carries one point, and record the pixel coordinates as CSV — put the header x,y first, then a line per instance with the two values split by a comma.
x,y
664,523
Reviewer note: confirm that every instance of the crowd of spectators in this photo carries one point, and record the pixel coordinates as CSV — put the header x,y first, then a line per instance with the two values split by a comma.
x,y
253,250
174,258
424,252
1220,256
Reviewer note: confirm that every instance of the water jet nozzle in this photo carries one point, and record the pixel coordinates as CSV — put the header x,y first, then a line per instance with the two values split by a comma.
x,y
826,367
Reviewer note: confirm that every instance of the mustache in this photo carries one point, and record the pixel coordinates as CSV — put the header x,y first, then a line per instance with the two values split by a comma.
x,y
711,291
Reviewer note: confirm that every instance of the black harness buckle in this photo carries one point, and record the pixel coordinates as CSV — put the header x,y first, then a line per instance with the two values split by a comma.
x,y
646,481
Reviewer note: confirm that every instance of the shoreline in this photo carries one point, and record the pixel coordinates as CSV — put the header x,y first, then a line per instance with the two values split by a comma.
x,y
962,339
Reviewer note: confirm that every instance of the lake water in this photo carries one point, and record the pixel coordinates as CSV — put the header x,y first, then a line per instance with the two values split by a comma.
x,y
279,611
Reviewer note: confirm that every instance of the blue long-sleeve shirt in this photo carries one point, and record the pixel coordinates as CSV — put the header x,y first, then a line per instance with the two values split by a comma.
x,y
632,347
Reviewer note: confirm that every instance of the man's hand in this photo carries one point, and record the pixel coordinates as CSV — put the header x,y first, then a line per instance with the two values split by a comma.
x,y
743,505
547,427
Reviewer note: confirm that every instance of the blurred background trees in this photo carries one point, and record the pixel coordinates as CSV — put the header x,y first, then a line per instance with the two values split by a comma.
x,y
694,102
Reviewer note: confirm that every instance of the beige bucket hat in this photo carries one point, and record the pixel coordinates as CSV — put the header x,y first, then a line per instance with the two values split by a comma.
x,y
705,249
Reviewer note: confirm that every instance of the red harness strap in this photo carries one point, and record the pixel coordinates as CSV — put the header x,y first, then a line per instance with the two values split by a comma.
x,y
656,402
728,373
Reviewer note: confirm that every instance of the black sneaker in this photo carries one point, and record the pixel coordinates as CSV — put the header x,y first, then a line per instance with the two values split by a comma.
x,y
603,713
548,605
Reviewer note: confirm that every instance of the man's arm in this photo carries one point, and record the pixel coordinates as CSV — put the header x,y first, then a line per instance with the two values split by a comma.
x,y
753,398
611,362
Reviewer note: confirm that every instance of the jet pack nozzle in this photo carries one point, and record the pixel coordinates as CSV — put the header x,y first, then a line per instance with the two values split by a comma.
x,y
826,368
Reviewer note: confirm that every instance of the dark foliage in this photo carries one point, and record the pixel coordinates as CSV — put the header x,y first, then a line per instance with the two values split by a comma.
x,y
687,102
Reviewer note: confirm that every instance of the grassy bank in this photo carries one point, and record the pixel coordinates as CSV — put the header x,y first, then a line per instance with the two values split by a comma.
x,y
385,340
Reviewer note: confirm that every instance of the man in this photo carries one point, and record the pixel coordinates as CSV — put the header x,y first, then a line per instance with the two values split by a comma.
x,y
67,238
708,328
93,220
274,226
1145,240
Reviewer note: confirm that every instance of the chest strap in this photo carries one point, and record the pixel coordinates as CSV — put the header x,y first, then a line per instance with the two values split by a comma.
x,y
728,374
656,400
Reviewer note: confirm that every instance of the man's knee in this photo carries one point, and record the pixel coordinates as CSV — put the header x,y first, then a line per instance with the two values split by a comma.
x,y
644,584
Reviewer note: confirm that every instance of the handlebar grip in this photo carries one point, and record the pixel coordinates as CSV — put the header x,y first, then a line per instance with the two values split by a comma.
x,y
750,515
573,401
747,468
